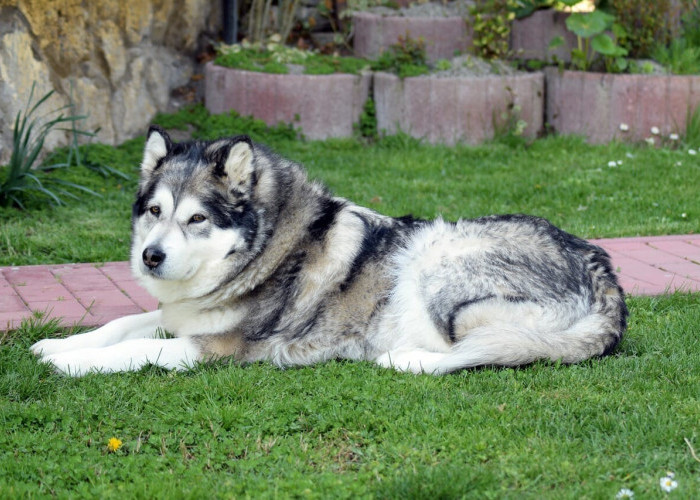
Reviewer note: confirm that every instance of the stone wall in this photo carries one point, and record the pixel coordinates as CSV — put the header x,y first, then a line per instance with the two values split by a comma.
x,y
119,59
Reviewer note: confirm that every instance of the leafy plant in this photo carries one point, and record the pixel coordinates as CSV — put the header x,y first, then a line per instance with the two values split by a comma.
x,y
692,127
679,57
592,40
274,57
690,22
367,126
406,58
645,23
491,26
22,175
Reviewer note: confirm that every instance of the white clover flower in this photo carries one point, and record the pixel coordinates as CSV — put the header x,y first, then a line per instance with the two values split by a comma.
x,y
655,130
629,155
625,493
649,140
668,484
673,137
619,162
692,152
624,127
612,163
679,163
683,215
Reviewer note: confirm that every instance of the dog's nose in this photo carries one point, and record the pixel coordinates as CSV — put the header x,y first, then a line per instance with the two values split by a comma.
x,y
153,257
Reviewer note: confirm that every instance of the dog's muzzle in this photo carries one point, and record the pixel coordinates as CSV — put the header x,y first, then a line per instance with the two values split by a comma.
x,y
153,257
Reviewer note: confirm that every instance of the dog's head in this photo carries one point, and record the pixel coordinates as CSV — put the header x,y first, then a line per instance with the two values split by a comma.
x,y
194,222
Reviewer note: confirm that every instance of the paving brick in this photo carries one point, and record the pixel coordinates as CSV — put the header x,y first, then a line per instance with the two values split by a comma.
x,y
54,291
684,250
84,277
12,320
60,308
30,275
637,270
12,304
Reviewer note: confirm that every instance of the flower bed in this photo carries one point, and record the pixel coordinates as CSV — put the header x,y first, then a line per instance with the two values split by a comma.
x,y
459,108
322,106
603,107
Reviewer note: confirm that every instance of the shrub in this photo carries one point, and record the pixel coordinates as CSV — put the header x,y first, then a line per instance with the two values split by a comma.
x,y
646,24
23,175
491,25
406,58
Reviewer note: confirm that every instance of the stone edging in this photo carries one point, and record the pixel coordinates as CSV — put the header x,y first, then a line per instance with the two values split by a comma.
x,y
322,106
444,36
450,110
600,106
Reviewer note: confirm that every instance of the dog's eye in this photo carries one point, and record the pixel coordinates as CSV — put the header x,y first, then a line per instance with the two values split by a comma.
x,y
196,218
155,210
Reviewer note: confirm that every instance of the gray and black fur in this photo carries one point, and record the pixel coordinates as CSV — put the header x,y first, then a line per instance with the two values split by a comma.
x,y
302,307
251,260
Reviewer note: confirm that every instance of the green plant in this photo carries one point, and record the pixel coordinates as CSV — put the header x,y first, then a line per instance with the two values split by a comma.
x,y
679,57
646,24
443,65
508,126
22,175
406,58
692,127
367,126
592,40
690,22
490,20
273,57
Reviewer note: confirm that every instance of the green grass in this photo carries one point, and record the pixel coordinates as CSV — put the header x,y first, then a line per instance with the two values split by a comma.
x,y
353,430
561,178
350,430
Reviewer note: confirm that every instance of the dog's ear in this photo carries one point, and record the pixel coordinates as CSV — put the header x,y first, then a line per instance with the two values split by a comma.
x,y
234,161
158,145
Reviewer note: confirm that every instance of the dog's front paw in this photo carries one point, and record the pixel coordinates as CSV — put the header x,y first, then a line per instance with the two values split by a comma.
x,y
72,363
47,347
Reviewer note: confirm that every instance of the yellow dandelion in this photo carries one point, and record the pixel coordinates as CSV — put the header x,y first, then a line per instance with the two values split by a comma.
x,y
114,444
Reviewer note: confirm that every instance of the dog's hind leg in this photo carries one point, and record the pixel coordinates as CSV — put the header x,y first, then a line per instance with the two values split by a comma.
x,y
415,361
136,326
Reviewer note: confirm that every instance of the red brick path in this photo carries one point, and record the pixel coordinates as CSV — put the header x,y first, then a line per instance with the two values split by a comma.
x,y
92,294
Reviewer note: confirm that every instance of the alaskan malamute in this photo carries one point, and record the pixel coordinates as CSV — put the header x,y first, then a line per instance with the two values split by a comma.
x,y
252,261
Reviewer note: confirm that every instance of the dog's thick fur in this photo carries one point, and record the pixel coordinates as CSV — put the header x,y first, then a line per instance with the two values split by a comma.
x,y
252,261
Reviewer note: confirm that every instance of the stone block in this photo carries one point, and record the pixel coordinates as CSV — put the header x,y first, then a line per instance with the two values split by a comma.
x,y
595,105
457,109
530,37
443,36
321,106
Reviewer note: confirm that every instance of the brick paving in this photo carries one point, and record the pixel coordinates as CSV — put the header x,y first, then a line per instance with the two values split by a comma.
x,y
93,294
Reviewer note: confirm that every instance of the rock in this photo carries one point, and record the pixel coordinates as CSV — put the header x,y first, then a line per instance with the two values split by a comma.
x,y
119,60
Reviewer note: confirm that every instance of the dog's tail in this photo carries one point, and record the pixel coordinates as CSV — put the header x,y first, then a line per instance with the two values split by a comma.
x,y
556,338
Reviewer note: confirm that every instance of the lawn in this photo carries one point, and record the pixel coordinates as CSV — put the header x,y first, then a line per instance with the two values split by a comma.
x,y
352,430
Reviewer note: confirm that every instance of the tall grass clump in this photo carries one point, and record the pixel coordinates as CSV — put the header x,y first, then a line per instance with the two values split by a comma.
x,y
23,175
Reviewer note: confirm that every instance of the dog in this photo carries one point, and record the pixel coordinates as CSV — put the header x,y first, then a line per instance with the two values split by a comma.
x,y
252,261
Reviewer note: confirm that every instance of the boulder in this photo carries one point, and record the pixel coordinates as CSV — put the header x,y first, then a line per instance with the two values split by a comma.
x,y
117,62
